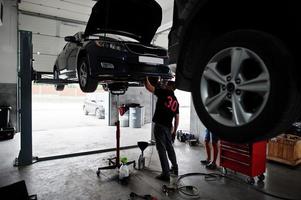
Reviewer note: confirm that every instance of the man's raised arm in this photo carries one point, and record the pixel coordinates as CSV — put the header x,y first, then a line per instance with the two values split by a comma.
x,y
149,86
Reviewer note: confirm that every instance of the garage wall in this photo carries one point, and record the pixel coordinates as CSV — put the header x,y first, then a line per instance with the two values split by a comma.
x,y
8,43
137,95
167,15
47,38
141,96
196,126
8,57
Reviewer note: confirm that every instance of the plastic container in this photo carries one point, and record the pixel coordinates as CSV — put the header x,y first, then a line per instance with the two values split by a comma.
x,y
136,117
4,116
124,172
124,119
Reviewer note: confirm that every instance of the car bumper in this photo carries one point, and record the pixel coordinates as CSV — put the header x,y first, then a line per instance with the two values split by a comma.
x,y
128,67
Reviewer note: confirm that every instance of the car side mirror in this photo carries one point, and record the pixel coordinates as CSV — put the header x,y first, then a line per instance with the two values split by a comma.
x,y
71,39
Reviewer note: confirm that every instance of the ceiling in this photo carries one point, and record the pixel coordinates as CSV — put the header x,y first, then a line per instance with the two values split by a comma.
x,y
78,10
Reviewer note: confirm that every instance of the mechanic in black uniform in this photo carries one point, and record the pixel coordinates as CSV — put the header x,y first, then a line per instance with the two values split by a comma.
x,y
167,109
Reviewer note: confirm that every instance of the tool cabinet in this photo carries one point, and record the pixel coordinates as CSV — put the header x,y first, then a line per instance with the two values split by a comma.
x,y
248,159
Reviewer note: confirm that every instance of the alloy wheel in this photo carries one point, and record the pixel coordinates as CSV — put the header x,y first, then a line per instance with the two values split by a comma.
x,y
235,86
83,74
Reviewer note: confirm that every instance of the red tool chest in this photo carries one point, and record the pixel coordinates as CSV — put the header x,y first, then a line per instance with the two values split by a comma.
x,y
248,159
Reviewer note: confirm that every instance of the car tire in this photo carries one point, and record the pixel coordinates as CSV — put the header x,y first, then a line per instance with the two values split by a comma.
x,y
249,100
98,114
56,74
85,111
86,82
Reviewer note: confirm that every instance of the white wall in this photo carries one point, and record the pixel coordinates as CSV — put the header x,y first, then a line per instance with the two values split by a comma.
x,y
8,43
47,38
167,16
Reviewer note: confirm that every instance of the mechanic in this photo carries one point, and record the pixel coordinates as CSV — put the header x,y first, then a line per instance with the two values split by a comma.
x,y
214,140
167,109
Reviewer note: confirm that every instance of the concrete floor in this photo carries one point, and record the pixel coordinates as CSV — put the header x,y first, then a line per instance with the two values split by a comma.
x,y
75,178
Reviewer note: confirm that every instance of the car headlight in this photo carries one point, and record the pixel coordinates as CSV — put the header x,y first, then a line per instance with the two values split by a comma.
x,y
111,45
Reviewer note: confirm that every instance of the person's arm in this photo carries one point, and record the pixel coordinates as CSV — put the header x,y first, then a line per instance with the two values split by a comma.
x,y
176,123
149,86
175,126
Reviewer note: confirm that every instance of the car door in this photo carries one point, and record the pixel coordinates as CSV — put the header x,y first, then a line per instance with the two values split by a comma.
x,y
89,103
62,58
70,48
71,54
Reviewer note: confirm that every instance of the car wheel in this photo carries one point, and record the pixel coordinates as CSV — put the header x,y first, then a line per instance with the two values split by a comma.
x,y
105,87
98,114
244,88
86,82
56,76
85,111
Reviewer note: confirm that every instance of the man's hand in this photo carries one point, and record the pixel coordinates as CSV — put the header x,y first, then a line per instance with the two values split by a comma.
x,y
173,136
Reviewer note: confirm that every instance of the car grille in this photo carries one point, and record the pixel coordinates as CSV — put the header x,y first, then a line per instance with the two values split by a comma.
x,y
145,50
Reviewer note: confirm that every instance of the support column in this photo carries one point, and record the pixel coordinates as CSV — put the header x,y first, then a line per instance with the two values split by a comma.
x,y
25,154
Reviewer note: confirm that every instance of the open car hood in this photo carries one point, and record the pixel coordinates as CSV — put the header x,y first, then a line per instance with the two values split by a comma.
x,y
138,19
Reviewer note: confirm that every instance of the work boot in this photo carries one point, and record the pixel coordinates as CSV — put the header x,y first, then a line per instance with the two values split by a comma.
x,y
205,162
163,177
174,170
211,166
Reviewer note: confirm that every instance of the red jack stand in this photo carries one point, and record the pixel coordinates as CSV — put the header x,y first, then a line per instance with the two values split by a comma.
x,y
114,163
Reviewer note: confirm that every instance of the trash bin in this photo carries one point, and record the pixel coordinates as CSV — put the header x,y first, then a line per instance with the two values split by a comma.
x,y
6,131
4,116
136,117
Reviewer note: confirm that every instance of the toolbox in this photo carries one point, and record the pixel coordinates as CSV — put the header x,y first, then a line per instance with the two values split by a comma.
x,y
248,159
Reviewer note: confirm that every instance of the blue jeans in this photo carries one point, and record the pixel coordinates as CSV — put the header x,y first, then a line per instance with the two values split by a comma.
x,y
164,145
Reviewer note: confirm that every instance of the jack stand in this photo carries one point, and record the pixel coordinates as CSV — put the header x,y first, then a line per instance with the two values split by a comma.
x,y
114,163
141,159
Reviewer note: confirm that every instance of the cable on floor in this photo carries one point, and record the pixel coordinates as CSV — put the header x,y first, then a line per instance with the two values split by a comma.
x,y
217,176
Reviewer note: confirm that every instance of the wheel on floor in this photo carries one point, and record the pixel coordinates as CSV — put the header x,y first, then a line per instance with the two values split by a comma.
x,y
251,180
261,178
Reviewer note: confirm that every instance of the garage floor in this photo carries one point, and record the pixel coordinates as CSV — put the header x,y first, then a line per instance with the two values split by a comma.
x,y
75,178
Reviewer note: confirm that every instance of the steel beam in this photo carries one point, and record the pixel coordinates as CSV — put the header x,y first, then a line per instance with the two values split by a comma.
x,y
25,154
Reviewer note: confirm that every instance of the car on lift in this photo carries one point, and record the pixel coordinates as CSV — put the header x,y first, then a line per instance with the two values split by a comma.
x,y
239,59
115,47
94,105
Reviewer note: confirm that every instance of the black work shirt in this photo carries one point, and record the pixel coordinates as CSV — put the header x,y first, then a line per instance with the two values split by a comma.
x,y
166,108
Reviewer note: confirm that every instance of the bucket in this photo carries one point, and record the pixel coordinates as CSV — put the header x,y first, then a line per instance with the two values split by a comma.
x,y
135,117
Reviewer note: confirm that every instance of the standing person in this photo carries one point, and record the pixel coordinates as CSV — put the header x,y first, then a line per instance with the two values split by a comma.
x,y
214,141
167,109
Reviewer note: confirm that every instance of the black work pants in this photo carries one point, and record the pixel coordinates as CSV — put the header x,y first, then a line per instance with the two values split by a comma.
x,y
164,145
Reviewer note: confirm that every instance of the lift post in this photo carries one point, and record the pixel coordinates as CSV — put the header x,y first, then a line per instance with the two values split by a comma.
x,y
26,76
25,155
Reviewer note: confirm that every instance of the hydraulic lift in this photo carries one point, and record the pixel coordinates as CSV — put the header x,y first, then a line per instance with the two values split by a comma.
x,y
26,76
